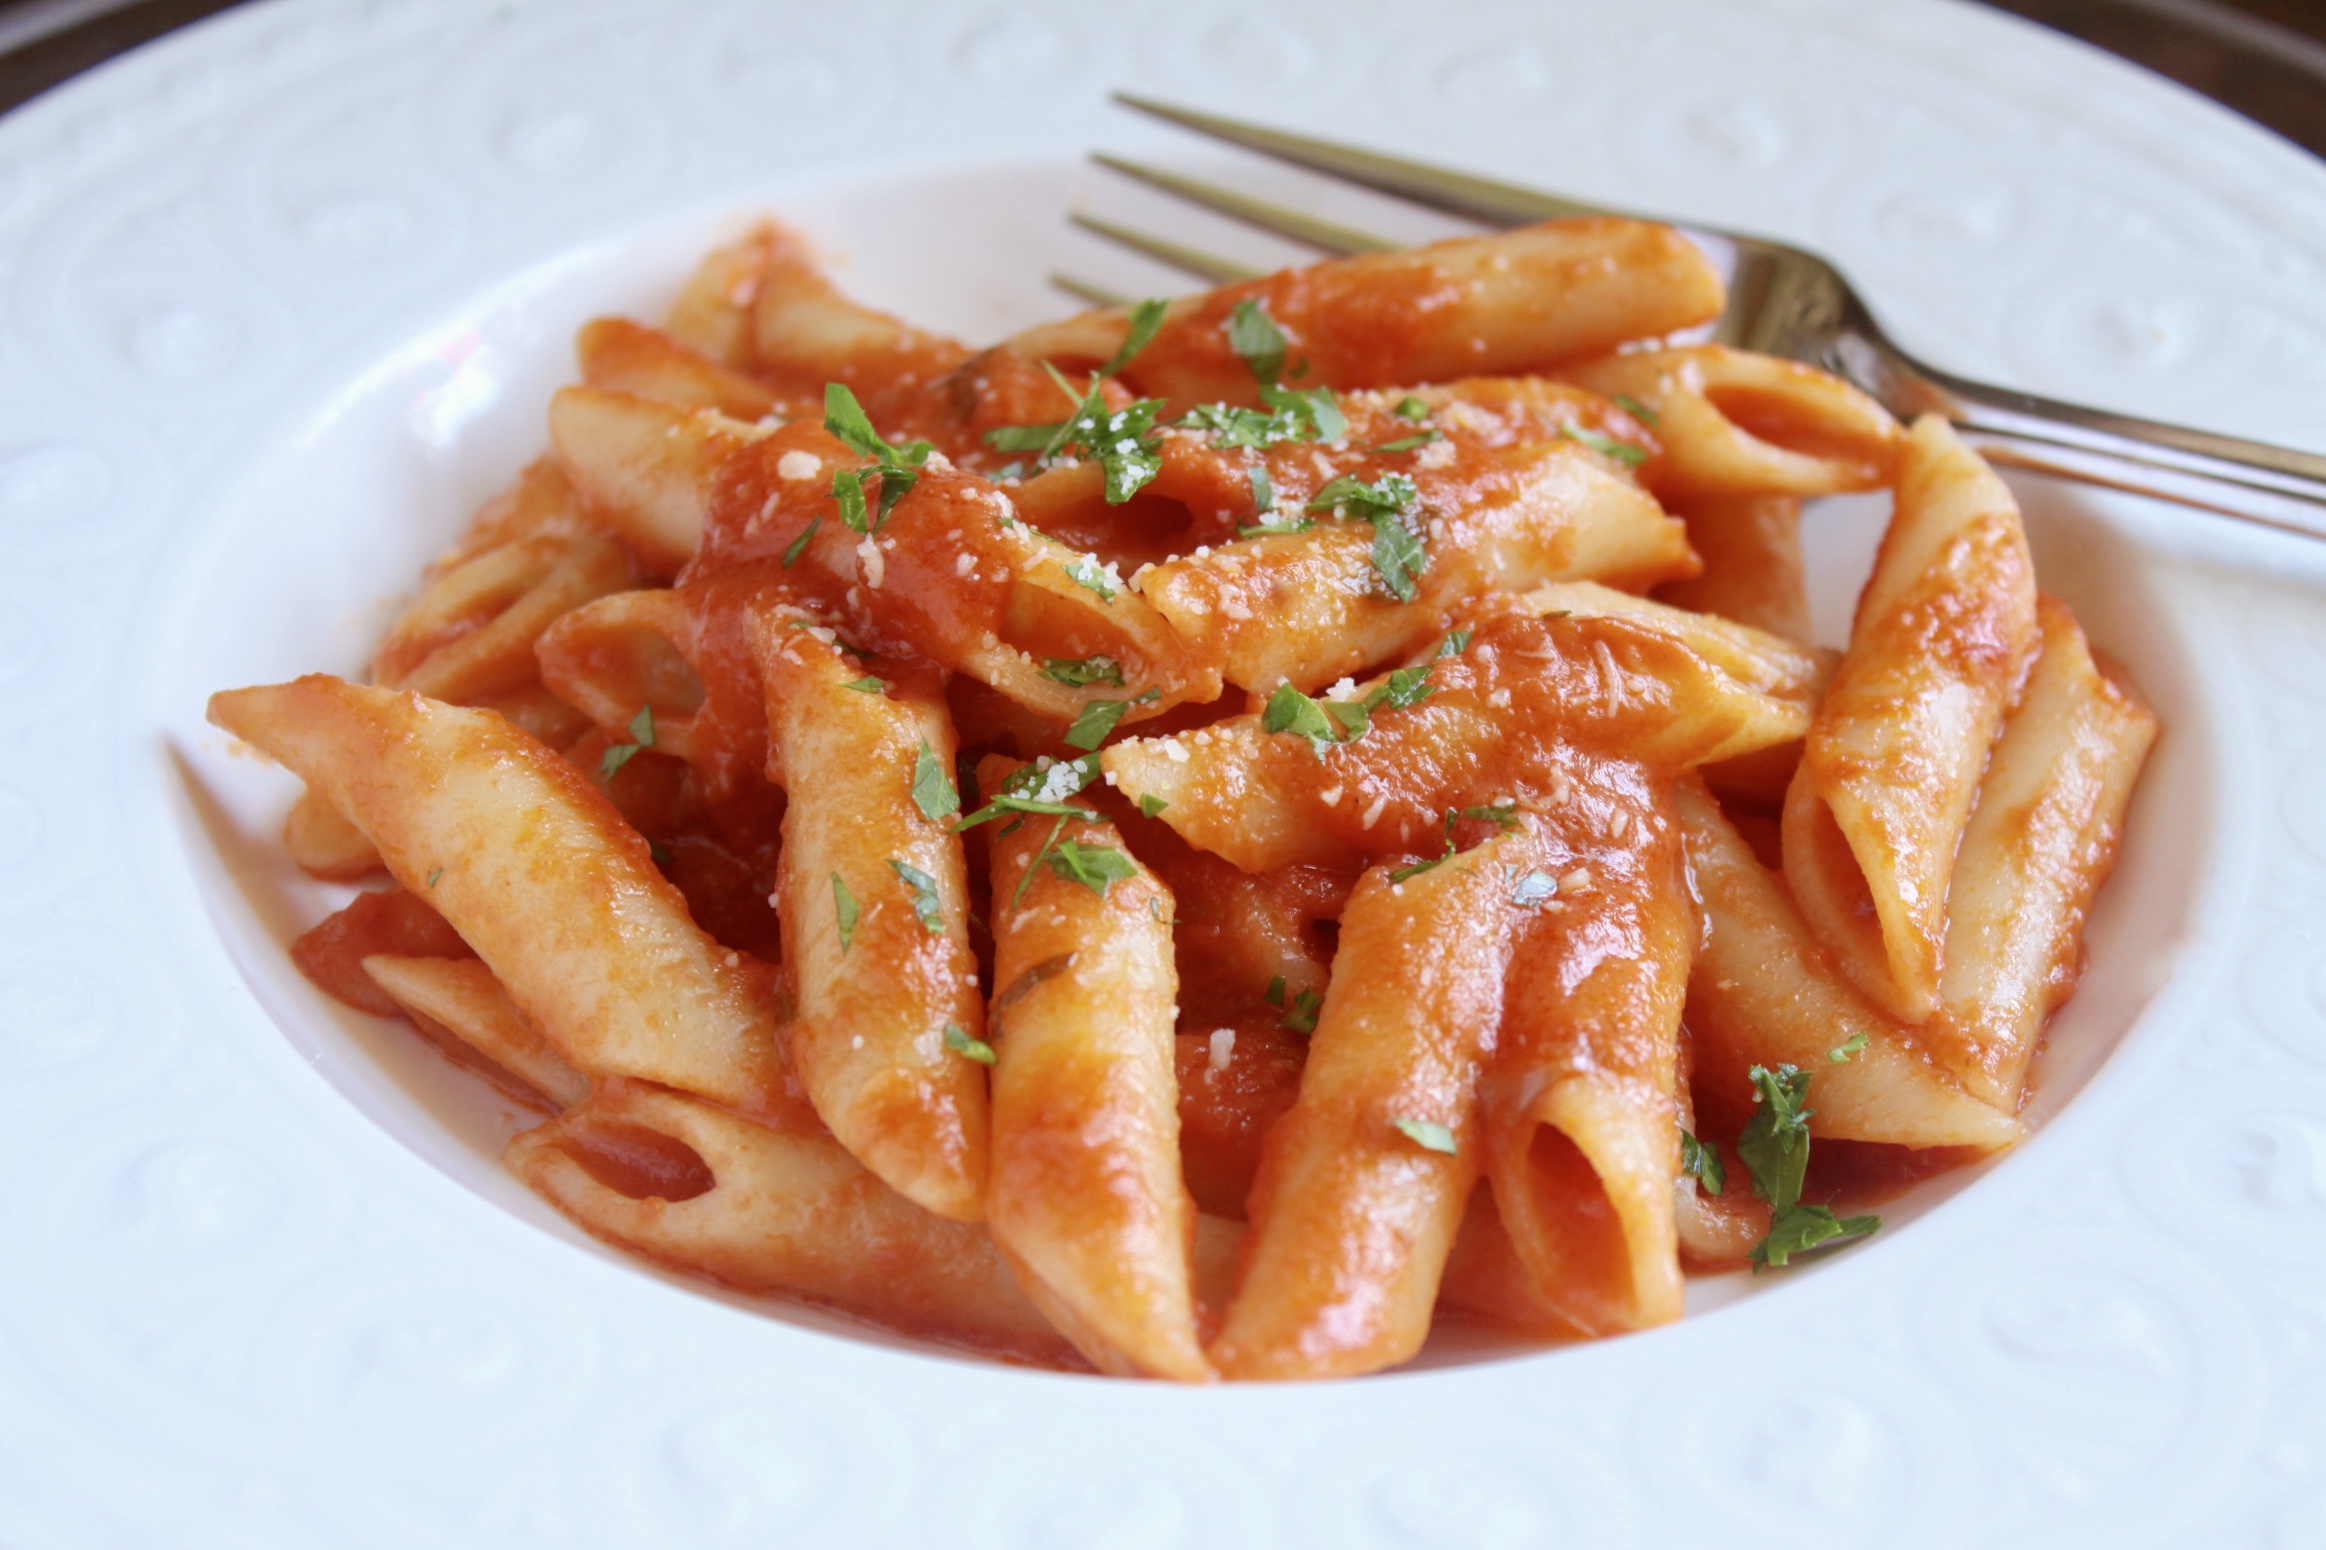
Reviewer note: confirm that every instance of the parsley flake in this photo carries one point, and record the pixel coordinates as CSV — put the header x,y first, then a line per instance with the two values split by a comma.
x,y
642,736
1041,789
1274,529
897,468
1289,710
867,685
1121,441
1151,805
1775,1148
1700,1160
1076,672
1093,866
958,1040
1411,443
1146,317
1637,410
1253,334
1263,493
933,791
1455,643
1400,874
1841,1052
799,545
1398,556
928,908
1347,494
435,877
1503,815
845,911
1096,723
1085,572
1275,995
1301,1017
1427,1134
1412,407
1606,446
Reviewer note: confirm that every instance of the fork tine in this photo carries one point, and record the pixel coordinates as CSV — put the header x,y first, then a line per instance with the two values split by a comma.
x,y
1478,199
1274,218
1205,266
1083,290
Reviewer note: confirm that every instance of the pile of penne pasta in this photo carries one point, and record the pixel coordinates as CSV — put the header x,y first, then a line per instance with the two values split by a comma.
x,y
1195,838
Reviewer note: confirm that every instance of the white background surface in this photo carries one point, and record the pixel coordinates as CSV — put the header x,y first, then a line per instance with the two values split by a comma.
x,y
283,296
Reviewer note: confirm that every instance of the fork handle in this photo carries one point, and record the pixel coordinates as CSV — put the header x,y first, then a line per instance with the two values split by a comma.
x,y
2278,487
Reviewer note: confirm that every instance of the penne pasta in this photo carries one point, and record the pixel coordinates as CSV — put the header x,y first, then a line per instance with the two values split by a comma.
x,y
1944,633
2039,844
619,356
1086,1197
1760,994
1733,424
1578,1100
874,902
539,874
1363,1185
688,1185
460,1000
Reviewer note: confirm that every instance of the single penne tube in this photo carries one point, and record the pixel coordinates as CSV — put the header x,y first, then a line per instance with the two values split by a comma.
x,y
471,633
620,654
1510,716
712,315
1308,607
539,874
1944,632
1735,423
2039,844
805,332
1760,993
460,998
1085,1196
1511,302
619,356
1577,1102
1776,664
873,895
1362,1185
646,469
782,1212
1754,572
325,844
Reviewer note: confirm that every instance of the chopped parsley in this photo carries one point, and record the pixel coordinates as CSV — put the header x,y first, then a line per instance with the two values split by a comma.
x,y
1700,1160
1041,789
1398,556
642,736
1412,407
958,1040
1606,446
1411,443
1085,571
1850,1046
1289,710
1253,334
1455,643
868,684
1093,866
1301,1016
1775,1149
1400,874
933,791
1151,805
1098,718
435,877
1347,494
845,911
1427,1134
1275,993
1325,722
656,853
1076,672
1637,410
1263,492
1288,414
1121,441
799,545
1503,815
928,908
898,468
1146,317
1274,529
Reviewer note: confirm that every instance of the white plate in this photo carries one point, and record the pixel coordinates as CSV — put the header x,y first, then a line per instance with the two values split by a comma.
x,y
284,297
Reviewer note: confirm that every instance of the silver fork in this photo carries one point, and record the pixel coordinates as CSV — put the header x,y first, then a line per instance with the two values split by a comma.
x,y
1782,301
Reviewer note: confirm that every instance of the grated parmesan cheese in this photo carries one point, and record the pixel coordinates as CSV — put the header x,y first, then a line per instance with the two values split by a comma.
x,y
1223,1049
797,467
1372,815
871,562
